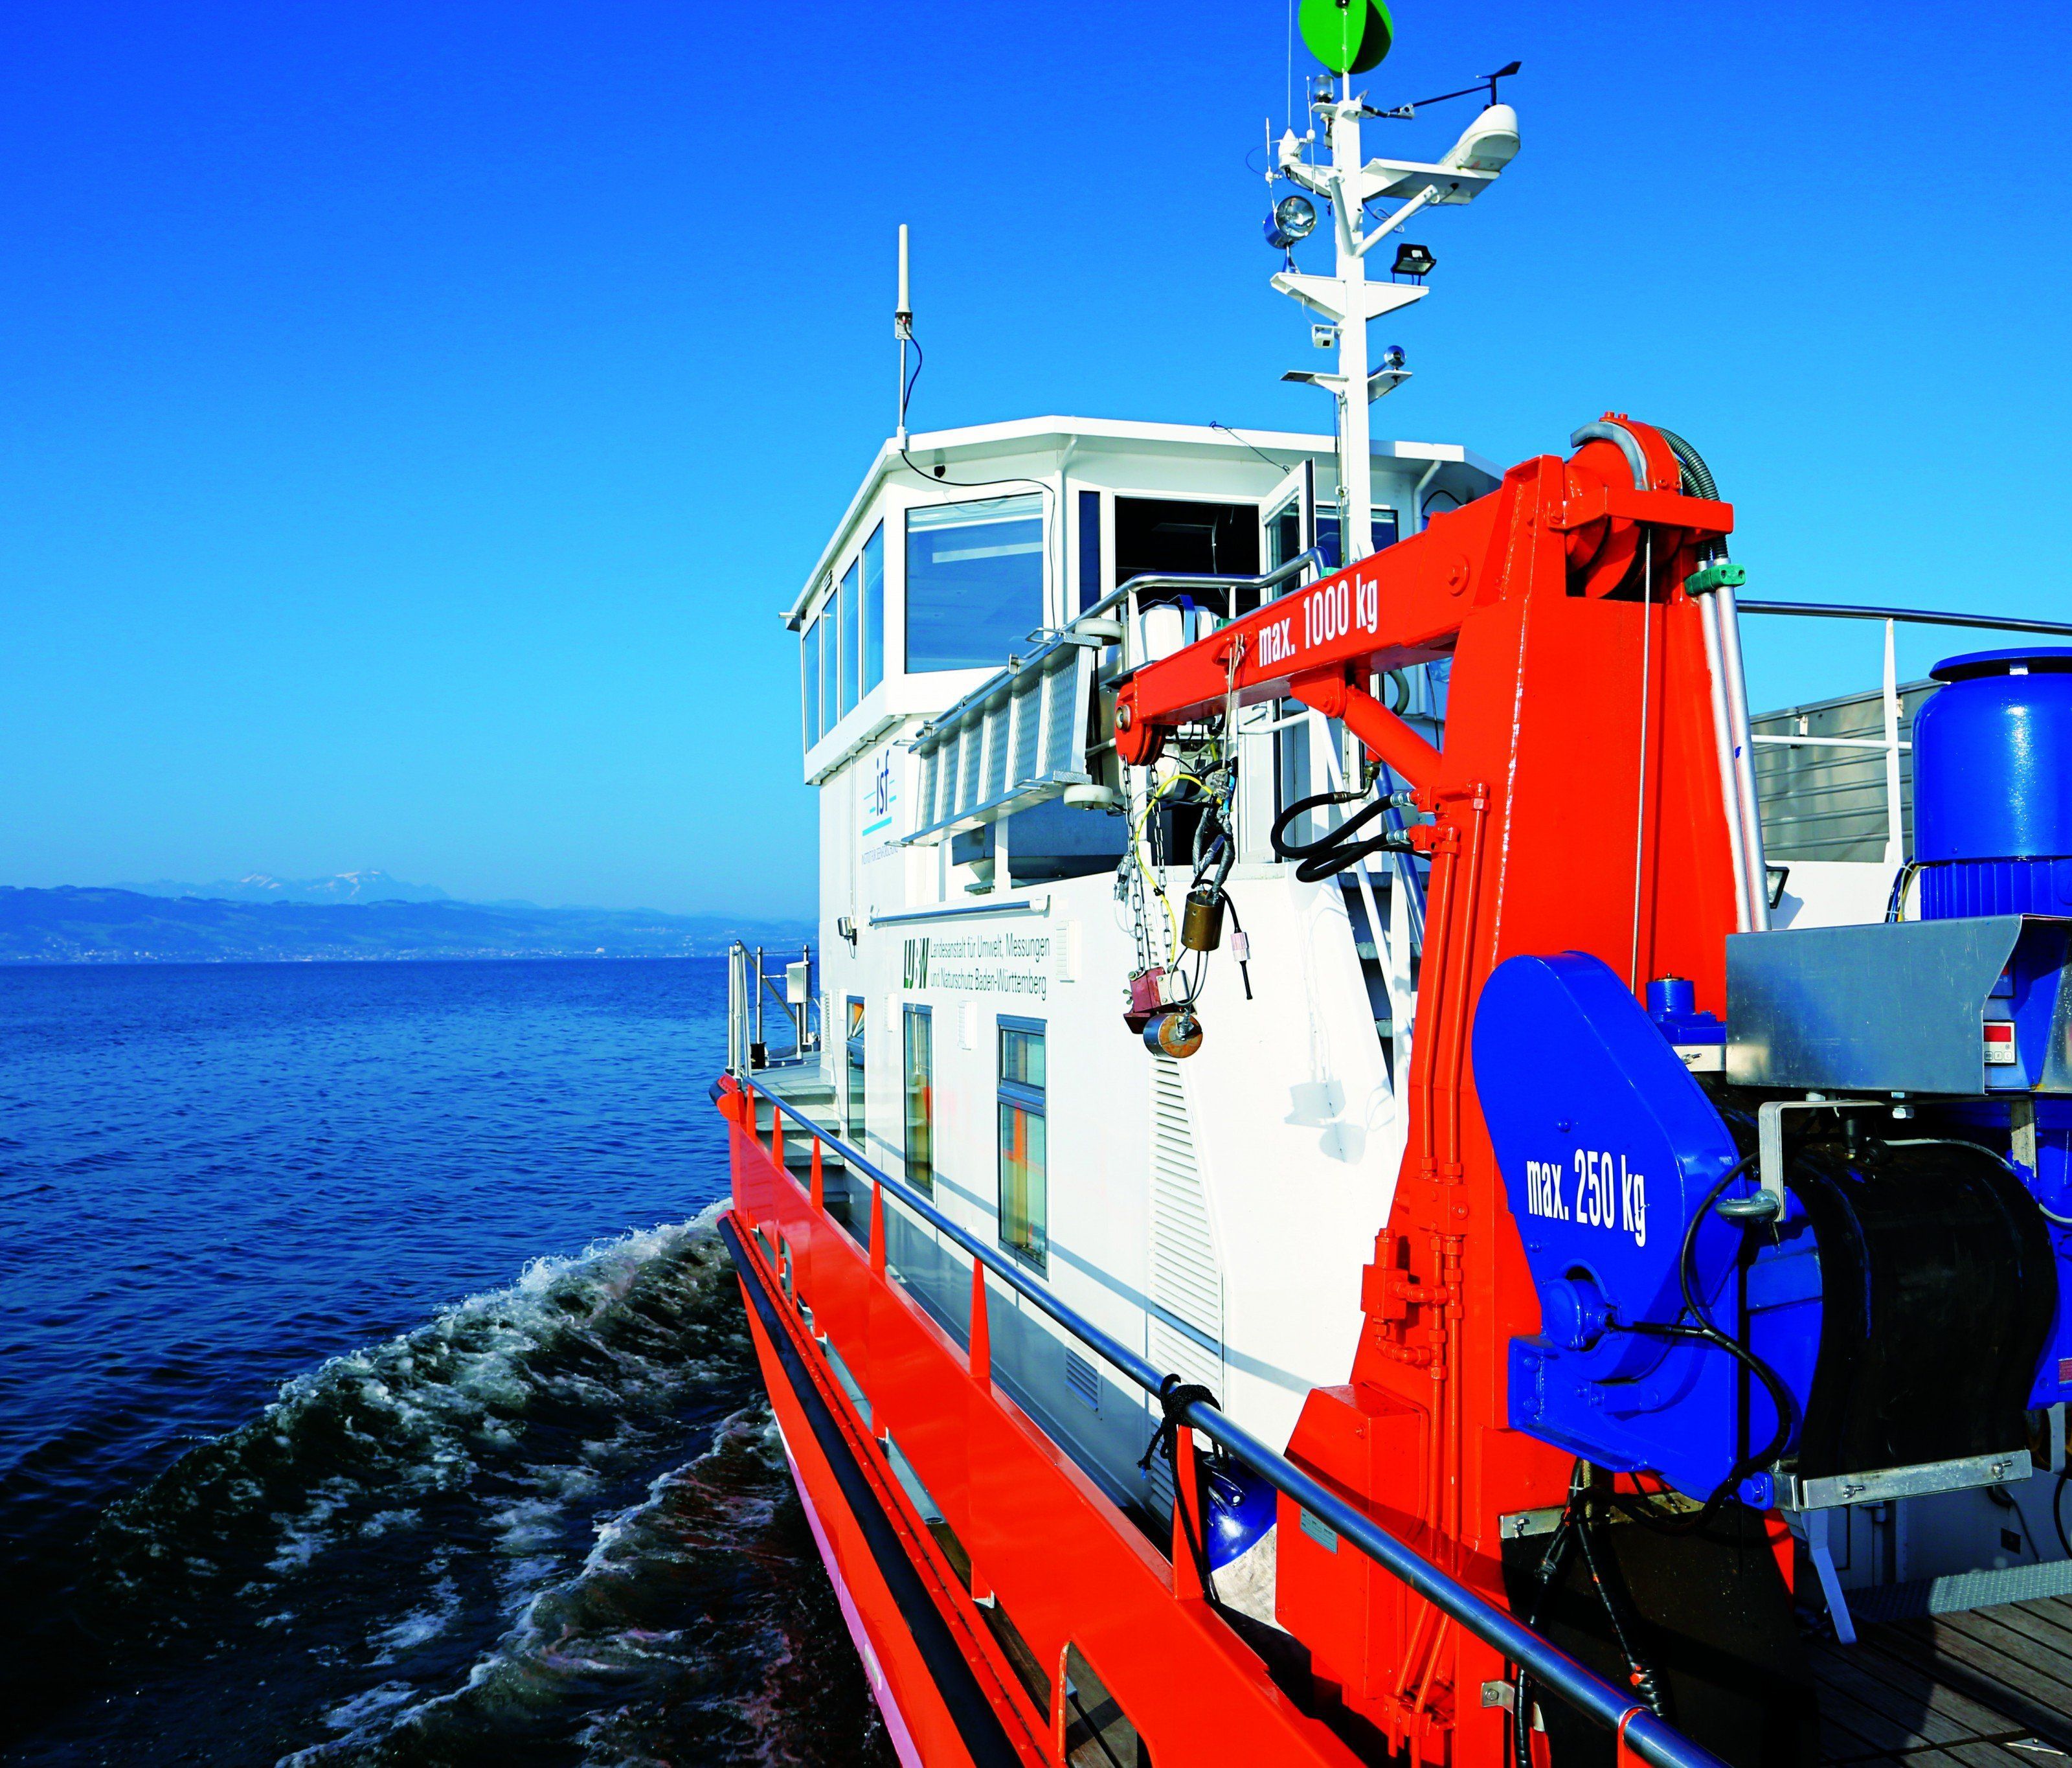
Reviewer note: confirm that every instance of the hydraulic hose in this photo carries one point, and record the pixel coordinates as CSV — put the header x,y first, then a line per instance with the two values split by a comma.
x,y
1697,476
1334,851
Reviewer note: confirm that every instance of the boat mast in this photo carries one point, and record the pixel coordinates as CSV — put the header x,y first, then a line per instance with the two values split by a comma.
x,y
1346,299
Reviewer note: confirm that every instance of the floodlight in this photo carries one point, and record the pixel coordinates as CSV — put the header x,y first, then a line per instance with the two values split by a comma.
x,y
1392,357
1293,219
1413,261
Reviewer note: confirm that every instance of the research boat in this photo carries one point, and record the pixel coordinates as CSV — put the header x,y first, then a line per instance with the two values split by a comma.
x,y
1367,1167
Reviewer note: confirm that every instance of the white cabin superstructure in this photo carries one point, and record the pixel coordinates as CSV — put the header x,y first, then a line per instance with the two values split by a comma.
x,y
972,941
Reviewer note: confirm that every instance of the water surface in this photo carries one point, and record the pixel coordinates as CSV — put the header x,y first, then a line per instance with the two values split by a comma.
x,y
367,1393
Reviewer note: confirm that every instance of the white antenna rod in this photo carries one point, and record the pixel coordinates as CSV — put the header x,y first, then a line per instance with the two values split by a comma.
x,y
902,329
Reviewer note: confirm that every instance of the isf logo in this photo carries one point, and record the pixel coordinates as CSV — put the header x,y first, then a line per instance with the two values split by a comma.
x,y
881,785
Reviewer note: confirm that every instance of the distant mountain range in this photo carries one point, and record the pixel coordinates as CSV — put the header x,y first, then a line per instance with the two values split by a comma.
x,y
119,926
257,887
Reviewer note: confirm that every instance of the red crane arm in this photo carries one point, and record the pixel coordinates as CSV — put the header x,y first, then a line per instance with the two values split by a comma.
x,y
1577,805
1409,603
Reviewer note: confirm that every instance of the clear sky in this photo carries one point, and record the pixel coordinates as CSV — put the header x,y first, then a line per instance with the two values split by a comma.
x,y
412,418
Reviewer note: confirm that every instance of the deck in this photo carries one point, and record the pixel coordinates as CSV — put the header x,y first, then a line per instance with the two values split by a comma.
x,y
1990,1689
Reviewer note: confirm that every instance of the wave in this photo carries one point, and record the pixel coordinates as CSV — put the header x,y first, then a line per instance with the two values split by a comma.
x,y
454,1547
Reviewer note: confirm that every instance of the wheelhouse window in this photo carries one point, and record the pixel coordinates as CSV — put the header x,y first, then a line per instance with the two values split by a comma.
x,y
830,649
1284,534
974,582
848,657
854,1102
1327,535
1024,1200
809,677
919,1086
1090,550
873,608
1180,535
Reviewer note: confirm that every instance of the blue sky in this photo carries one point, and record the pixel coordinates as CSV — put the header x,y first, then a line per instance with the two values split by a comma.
x,y
412,418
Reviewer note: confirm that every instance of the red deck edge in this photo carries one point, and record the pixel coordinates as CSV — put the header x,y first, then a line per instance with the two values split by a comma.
x,y
1044,1542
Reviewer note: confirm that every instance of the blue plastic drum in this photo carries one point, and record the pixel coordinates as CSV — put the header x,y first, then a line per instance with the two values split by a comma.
x,y
1992,785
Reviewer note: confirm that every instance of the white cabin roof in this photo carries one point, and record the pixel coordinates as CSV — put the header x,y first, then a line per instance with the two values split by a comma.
x,y
1022,435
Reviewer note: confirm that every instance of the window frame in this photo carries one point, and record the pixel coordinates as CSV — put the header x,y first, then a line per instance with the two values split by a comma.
x,y
911,1014
1030,1101
856,1068
870,558
1091,524
918,519
849,651
809,678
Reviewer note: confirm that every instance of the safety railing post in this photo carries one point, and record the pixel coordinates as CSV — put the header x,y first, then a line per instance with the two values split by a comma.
x,y
777,1139
877,1229
818,1192
1186,1527
981,1328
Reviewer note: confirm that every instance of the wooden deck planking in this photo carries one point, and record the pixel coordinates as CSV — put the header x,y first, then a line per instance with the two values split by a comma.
x,y
1952,1691
1937,1714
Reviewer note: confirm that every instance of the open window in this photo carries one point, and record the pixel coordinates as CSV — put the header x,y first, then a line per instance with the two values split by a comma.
x,y
1188,537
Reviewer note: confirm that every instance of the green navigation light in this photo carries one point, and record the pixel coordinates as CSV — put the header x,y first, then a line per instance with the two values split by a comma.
x,y
1348,36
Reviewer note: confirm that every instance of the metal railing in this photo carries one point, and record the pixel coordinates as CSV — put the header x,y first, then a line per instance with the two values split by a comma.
x,y
1891,744
1841,610
749,987
1184,581
1654,1740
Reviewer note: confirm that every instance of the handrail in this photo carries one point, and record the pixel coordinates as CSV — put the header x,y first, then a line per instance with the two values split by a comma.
x,y
1060,636
1991,623
1651,1738
1184,580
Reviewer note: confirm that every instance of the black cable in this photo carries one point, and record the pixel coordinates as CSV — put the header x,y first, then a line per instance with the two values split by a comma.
x,y
1641,1676
974,484
1244,972
906,392
1553,1562
1781,1396
1227,430
2058,1510
1174,1396
1334,851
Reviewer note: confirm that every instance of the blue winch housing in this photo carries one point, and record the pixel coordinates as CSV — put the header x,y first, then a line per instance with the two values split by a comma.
x,y
1610,1148
1901,1292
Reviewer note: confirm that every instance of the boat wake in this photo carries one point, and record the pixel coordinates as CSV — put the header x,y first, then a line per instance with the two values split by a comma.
x,y
456,1547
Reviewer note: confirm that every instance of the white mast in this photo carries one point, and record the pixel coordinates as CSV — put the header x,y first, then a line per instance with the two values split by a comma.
x,y
1346,299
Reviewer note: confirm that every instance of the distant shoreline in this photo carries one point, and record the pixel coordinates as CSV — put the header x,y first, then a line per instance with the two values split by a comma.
x,y
72,925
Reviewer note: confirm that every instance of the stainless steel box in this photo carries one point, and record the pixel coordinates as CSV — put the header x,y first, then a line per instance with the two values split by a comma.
x,y
1900,1006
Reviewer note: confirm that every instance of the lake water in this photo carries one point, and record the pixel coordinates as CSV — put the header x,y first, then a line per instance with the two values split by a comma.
x,y
366,1394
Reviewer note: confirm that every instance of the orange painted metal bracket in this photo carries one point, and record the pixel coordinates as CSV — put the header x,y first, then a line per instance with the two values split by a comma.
x,y
1384,733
